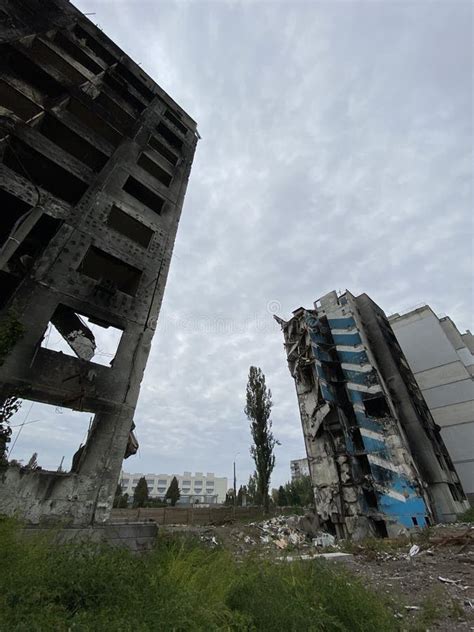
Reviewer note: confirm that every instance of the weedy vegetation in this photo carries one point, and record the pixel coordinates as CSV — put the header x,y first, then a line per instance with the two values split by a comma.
x,y
179,586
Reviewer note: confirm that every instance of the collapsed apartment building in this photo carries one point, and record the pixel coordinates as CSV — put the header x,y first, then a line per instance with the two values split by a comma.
x,y
376,457
94,163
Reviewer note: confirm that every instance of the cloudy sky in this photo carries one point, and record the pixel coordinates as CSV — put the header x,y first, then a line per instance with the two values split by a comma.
x,y
335,153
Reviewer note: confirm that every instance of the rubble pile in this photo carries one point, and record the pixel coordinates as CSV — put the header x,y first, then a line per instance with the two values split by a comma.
x,y
297,531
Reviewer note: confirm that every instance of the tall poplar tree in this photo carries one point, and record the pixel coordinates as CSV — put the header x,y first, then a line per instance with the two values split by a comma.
x,y
258,410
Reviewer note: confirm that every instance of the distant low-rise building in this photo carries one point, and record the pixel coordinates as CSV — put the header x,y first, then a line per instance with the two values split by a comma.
x,y
442,361
203,489
299,468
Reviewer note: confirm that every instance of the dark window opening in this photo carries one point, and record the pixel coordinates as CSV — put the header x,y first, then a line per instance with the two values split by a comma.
x,y
371,498
155,144
71,142
42,171
380,528
177,123
122,120
307,376
13,100
154,169
143,194
12,209
8,284
456,492
357,439
76,334
76,52
414,520
94,45
45,55
135,82
130,227
105,268
428,521
122,90
34,244
94,122
169,136
376,407
31,73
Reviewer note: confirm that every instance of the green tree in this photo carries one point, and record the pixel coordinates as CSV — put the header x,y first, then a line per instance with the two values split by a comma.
x,y
253,495
140,495
123,502
118,496
229,498
173,494
299,493
282,499
8,407
258,410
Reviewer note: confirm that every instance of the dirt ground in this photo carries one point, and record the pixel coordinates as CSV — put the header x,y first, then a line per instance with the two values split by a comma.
x,y
432,589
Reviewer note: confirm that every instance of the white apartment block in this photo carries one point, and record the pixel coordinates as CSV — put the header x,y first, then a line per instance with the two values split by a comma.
x,y
195,489
299,468
442,361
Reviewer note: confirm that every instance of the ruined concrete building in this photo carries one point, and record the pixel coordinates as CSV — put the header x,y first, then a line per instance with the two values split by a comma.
x,y
94,163
376,457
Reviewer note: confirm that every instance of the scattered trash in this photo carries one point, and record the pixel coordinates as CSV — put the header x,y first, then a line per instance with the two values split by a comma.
x,y
412,608
446,580
414,550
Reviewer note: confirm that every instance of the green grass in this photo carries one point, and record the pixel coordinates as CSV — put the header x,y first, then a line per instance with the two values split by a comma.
x,y
178,586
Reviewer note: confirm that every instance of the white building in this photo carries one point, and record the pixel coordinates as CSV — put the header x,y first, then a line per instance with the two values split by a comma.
x,y
299,468
442,361
198,489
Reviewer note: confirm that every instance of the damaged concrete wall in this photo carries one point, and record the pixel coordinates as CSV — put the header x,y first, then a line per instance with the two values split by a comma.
x,y
358,418
94,163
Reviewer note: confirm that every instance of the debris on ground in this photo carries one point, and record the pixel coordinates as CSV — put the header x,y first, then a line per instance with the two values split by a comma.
x,y
297,531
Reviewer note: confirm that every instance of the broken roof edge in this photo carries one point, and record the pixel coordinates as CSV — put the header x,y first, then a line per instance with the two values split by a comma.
x,y
134,67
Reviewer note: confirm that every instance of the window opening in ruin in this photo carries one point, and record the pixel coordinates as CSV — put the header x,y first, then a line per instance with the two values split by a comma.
x,y
77,53
65,428
415,521
122,90
380,528
74,334
21,66
13,209
154,169
123,120
456,492
158,146
76,145
46,56
126,225
89,41
376,407
94,122
8,284
110,271
33,244
13,100
169,136
370,498
143,194
135,82
177,123
42,171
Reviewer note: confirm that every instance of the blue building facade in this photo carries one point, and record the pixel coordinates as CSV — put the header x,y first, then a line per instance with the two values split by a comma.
x,y
366,477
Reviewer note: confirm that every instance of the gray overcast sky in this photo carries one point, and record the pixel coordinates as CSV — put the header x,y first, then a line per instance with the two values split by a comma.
x,y
335,153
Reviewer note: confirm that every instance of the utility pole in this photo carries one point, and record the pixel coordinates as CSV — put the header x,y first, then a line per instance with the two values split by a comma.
x,y
235,482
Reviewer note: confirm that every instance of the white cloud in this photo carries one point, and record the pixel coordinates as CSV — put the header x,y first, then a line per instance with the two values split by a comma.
x,y
336,141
